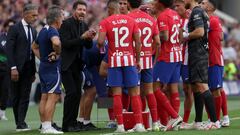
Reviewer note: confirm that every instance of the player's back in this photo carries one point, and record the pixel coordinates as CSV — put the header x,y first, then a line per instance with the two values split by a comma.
x,y
169,21
148,28
120,30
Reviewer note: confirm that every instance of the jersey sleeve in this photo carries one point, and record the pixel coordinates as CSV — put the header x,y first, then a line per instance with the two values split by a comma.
x,y
155,29
197,18
135,27
162,23
52,33
102,26
215,25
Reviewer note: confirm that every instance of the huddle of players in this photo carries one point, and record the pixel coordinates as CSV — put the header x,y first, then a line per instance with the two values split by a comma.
x,y
131,41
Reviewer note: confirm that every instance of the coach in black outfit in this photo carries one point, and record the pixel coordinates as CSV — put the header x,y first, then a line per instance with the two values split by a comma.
x,y
74,35
22,62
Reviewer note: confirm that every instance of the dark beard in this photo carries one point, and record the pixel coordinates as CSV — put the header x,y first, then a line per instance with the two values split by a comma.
x,y
187,6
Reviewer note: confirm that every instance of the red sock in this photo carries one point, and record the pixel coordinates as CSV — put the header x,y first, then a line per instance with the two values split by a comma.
x,y
224,103
152,104
186,115
110,110
125,101
163,100
117,108
162,114
137,108
218,104
175,101
143,101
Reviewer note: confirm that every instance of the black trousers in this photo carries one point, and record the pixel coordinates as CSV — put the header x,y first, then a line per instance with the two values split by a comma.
x,y
20,94
5,83
72,81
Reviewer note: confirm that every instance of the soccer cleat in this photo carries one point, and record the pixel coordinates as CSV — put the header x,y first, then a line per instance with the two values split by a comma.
x,y
198,125
211,126
120,129
186,126
155,126
161,127
111,124
225,122
138,128
22,128
50,130
172,123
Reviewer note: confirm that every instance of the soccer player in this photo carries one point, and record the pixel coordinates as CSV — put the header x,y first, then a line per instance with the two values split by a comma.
x,y
184,14
121,31
47,48
149,34
166,72
123,6
216,65
198,64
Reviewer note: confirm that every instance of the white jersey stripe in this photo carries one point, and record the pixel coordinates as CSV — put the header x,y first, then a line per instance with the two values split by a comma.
x,y
112,61
131,60
147,63
171,56
141,63
125,60
118,61
177,56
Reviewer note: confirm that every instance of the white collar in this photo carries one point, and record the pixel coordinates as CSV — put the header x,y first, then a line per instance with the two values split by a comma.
x,y
24,22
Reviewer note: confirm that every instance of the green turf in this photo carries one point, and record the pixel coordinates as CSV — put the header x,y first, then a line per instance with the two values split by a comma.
x,y
8,127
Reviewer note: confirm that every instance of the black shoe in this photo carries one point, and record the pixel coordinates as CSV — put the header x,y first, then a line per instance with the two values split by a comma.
x,y
54,125
90,126
22,127
81,126
71,129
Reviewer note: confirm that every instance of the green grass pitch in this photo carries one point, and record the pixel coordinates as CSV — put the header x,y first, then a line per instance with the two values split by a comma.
x,y
8,127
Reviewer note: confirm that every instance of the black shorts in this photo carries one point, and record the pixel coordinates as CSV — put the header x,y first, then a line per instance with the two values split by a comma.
x,y
198,71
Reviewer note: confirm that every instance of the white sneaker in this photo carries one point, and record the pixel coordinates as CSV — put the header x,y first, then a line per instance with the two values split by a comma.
x,y
225,122
50,130
161,127
3,117
186,126
138,128
198,125
172,123
155,126
120,129
211,126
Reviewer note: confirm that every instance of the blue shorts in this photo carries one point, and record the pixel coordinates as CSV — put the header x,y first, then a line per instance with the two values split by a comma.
x,y
50,79
146,76
166,73
123,76
184,73
87,79
215,74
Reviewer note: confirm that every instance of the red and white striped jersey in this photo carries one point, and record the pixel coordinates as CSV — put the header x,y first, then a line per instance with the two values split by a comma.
x,y
148,29
184,26
119,30
171,50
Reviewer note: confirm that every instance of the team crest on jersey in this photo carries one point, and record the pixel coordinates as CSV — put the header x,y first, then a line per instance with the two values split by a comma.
x,y
3,43
162,24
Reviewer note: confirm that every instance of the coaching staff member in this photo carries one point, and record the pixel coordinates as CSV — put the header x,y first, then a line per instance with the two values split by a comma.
x,y
74,35
22,61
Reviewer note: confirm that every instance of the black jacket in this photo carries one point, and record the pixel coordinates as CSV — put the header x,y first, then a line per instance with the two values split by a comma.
x,y
72,44
3,59
17,47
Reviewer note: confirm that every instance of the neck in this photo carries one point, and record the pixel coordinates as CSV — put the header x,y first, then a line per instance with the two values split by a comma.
x,y
210,13
193,5
132,9
54,26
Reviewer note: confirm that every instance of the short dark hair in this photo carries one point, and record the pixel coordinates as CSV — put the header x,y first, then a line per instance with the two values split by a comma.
x,y
214,3
182,1
79,2
166,3
135,3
